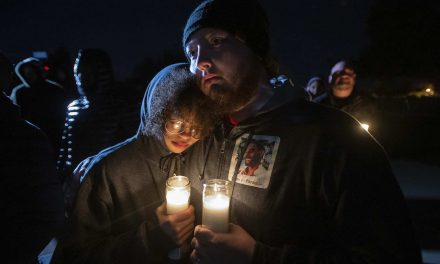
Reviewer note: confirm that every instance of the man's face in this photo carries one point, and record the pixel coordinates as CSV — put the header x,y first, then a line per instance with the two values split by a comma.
x,y
342,80
313,87
227,70
253,156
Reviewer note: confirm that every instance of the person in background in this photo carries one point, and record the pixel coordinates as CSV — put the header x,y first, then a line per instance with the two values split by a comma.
x,y
99,118
31,199
315,87
119,215
329,194
343,95
42,102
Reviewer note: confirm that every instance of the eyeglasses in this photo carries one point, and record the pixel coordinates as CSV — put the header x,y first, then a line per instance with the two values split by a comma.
x,y
178,127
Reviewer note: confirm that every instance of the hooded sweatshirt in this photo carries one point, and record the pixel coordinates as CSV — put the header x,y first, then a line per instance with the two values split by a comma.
x,y
113,219
323,192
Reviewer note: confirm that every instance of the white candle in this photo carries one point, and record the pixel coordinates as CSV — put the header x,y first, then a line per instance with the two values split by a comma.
x,y
216,212
177,196
177,200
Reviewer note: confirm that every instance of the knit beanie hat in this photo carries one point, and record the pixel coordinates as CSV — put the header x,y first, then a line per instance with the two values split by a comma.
x,y
244,18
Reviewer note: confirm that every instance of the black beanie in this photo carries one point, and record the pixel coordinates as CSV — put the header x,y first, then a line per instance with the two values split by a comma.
x,y
245,18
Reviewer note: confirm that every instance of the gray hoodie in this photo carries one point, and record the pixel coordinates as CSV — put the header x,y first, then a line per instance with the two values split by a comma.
x,y
113,219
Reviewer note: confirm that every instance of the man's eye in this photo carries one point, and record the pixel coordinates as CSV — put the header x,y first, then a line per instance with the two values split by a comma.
x,y
216,41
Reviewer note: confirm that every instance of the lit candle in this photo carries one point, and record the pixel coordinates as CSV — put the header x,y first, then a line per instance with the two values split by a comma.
x,y
216,213
177,195
216,198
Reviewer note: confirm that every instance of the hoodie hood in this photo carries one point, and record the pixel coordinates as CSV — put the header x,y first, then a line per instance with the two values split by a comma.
x,y
96,69
285,95
165,86
33,62
285,91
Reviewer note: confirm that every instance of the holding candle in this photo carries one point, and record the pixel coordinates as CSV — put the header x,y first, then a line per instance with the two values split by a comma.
x,y
216,198
177,195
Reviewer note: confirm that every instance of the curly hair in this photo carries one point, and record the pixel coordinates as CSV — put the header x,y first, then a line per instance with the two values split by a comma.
x,y
174,91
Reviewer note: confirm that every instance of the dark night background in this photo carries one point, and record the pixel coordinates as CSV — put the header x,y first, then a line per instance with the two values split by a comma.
x,y
395,45
386,37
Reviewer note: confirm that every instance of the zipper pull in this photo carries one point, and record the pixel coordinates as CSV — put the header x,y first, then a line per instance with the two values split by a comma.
x,y
222,149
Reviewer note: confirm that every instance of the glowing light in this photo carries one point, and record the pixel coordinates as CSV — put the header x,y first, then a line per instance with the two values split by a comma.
x,y
365,126
429,91
216,197
73,108
216,212
177,194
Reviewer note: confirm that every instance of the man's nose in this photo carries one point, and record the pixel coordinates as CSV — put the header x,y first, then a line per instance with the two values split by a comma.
x,y
203,59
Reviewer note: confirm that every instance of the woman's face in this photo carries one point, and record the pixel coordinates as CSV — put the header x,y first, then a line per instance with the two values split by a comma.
x,y
179,135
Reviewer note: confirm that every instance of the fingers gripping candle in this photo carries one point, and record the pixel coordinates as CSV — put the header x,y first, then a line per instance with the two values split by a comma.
x,y
177,195
216,198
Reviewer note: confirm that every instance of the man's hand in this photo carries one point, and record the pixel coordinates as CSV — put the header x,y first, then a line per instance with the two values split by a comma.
x,y
179,226
237,246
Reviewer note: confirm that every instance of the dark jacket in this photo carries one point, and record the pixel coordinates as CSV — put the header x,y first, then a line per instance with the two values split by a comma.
x,y
31,199
360,106
44,105
114,218
324,191
93,124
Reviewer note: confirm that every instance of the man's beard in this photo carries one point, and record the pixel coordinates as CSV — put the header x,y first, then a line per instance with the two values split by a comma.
x,y
232,99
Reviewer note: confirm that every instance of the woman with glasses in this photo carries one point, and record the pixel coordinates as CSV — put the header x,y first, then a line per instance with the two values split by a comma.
x,y
119,214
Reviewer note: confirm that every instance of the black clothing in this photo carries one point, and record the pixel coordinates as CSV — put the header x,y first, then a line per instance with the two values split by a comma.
x,y
362,107
114,216
324,192
31,196
44,105
99,118
90,127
